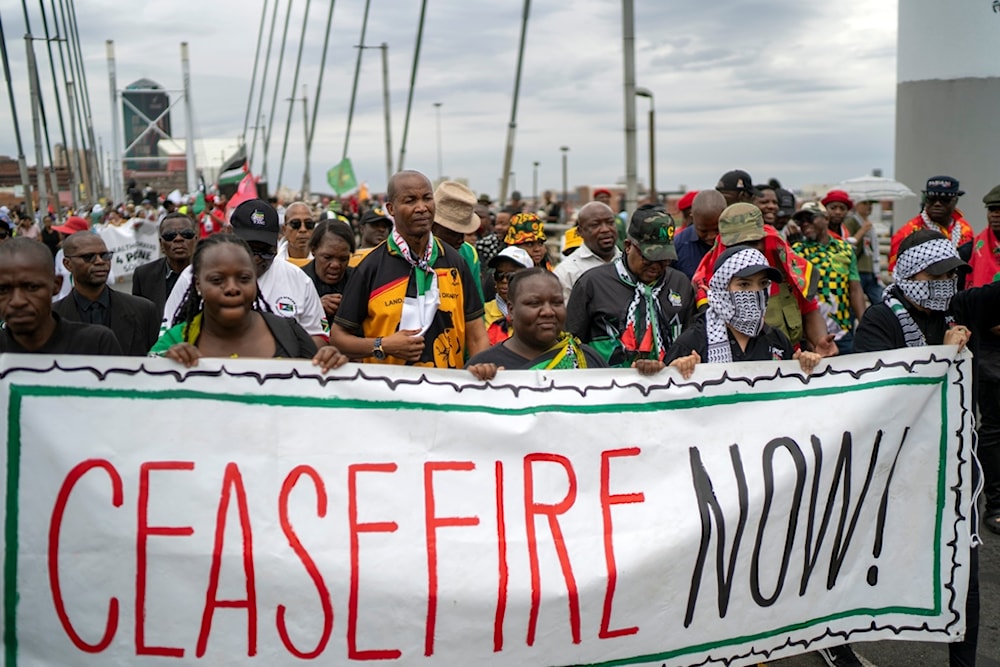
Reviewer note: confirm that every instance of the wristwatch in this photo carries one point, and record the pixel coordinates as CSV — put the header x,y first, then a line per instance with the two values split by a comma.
x,y
378,352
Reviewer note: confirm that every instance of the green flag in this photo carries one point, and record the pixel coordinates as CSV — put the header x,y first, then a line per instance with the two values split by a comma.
x,y
199,203
341,177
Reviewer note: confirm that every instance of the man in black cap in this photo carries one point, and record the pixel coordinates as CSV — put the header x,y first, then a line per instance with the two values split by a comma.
x,y
737,186
375,227
940,199
632,309
134,320
27,284
286,289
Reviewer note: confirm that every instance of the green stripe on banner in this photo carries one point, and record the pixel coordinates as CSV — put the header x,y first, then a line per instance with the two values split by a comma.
x,y
10,529
18,392
363,404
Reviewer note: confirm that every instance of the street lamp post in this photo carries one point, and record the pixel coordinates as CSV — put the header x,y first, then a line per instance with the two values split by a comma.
x,y
646,92
437,108
385,105
534,182
565,189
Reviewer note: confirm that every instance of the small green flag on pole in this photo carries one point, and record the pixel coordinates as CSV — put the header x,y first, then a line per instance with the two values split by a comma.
x,y
341,177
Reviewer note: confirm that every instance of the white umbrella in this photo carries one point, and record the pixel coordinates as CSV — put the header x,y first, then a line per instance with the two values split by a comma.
x,y
875,188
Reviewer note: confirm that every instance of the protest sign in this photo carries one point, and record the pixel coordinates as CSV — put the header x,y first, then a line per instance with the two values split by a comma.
x,y
256,512
133,246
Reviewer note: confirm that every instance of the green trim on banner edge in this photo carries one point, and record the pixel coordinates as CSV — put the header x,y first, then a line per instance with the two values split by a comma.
x,y
13,477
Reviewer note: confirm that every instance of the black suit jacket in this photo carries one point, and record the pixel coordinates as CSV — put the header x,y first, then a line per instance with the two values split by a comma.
x,y
150,282
135,321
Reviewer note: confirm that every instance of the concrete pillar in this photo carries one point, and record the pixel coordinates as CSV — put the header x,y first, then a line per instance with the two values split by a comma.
x,y
947,97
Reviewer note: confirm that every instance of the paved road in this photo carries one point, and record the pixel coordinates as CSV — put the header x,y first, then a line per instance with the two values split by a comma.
x,y
923,654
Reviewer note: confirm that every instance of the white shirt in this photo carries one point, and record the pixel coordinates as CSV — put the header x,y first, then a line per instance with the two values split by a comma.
x,y
285,287
582,260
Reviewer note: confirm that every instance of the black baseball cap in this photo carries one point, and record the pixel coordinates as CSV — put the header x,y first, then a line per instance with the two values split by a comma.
x,y
943,185
737,180
375,216
772,273
256,220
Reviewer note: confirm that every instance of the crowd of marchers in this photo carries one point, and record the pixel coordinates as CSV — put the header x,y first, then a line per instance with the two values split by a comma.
x,y
438,277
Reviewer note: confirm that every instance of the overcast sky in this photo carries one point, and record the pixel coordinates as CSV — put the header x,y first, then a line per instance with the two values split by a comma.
x,y
801,91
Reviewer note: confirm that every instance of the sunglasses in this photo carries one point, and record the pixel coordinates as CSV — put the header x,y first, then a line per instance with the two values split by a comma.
x,y
4,233
297,224
186,234
502,276
91,257
264,254
940,199
995,208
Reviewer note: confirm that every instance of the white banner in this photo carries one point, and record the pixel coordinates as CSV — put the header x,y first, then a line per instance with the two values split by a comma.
x,y
133,245
256,512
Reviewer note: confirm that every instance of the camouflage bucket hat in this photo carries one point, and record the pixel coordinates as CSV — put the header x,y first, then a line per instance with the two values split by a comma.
x,y
741,223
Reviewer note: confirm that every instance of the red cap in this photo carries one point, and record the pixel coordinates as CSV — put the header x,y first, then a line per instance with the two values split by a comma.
x,y
837,196
686,201
74,224
602,191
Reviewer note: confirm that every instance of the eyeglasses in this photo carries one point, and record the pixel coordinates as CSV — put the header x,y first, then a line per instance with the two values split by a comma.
x,y
264,254
90,257
186,234
502,276
940,199
297,224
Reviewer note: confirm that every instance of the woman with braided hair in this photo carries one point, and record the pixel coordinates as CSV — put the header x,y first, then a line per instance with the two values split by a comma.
x,y
222,314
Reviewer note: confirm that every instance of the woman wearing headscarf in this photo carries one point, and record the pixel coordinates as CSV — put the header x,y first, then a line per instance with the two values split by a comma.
x,y
733,329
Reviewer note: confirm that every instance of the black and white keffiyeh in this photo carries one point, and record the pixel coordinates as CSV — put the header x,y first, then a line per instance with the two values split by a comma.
x,y
744,311
929,294
956,230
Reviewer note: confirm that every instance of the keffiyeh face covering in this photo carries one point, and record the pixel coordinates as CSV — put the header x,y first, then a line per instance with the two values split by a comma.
x,y
929,294
748,315
743,311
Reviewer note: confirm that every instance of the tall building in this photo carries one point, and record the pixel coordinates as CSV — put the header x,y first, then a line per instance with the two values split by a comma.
x,y
142,103
947,97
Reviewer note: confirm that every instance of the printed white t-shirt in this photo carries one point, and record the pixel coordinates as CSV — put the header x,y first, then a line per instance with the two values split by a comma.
x,y
285,287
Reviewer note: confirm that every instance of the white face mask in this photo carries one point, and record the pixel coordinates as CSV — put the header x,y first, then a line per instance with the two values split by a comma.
x,y
748,311
930,294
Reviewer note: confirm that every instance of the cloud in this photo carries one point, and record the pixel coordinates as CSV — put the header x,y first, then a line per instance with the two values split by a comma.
x,y
802,91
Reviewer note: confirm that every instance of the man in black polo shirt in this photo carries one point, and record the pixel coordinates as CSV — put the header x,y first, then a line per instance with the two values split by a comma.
x,y
633,308
27,284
